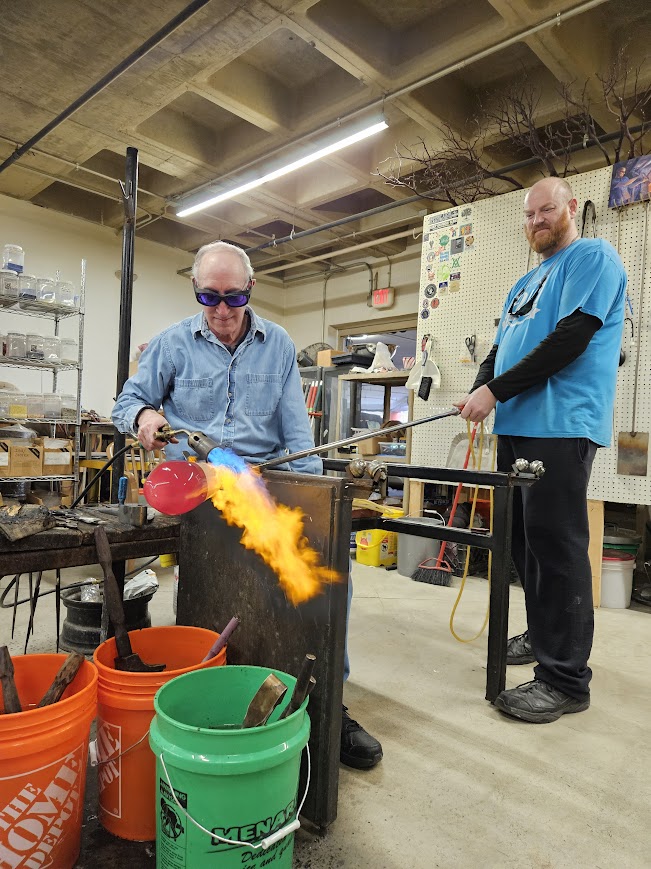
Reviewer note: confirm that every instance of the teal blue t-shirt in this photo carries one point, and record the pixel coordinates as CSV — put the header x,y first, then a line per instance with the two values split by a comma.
x,y
578,400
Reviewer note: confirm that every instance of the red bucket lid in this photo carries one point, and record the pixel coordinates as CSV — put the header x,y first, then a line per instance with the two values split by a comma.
x,y
617,555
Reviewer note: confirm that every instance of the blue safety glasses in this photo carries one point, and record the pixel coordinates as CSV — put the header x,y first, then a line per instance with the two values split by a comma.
x,y
211,299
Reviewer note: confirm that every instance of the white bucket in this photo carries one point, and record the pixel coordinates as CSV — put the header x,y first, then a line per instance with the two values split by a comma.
x,y
617,581
412,550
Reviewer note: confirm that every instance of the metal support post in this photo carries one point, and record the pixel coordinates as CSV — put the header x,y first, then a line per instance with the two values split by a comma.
x,y
129,199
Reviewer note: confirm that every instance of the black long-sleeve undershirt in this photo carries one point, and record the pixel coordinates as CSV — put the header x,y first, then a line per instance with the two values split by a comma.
x,y
561,347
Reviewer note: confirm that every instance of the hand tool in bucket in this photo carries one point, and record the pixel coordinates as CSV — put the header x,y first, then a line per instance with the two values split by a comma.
x,y
222,639
126,659
305,681
9,692
63,678
264,701
440,573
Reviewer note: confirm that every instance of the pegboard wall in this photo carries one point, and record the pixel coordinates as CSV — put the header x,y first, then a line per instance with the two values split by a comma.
x,y
462,291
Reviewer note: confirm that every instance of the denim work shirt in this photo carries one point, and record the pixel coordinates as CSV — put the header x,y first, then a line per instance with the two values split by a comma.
x,y
250,401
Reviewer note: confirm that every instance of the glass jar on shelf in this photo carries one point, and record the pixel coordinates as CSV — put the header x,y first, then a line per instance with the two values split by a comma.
x,y
65,295
68,407
35,347
52,349
51,405
13,257
69,351
34,401
46,293
5,402
27,291
16,345
8,288
18,405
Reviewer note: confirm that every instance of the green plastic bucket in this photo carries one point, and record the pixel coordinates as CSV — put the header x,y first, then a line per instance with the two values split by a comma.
x,y
226,797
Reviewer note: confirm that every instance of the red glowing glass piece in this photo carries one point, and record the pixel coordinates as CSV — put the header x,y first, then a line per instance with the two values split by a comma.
x,y
174,488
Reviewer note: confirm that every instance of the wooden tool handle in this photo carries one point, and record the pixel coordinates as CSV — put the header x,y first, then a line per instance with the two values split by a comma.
x,y
302,686
63,678
112,593
9,692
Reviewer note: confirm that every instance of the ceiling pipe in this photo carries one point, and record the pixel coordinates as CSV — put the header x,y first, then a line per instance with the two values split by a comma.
x,y
374,243
108,79
431,194
403,91
402,221
78,167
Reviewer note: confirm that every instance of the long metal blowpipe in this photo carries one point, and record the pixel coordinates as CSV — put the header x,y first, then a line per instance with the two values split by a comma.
x,y
325,448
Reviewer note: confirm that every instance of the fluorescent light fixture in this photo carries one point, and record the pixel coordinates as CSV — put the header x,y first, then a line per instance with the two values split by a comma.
x,y
285,170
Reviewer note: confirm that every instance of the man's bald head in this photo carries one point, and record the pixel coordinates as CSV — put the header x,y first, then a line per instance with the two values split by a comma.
x,y
549,212
553,188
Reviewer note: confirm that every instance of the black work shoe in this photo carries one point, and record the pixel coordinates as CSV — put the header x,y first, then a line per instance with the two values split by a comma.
x,y
538,702
518,650
358,748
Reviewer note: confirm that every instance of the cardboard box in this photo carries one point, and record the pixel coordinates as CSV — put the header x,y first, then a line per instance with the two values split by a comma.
x,y
5,447
324,358
25,460
58,462
369,447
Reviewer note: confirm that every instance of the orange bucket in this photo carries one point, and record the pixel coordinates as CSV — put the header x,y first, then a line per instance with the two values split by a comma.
x,y
126,763
43,757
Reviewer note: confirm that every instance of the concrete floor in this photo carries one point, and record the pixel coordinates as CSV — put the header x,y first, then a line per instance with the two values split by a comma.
x,y
460,784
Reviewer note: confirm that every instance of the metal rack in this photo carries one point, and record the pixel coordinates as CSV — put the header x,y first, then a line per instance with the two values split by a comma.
x,y
57,314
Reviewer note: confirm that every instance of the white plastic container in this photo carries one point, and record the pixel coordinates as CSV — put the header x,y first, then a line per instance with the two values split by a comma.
x,y
51,405
68,407
8,287
34,402
617,580
16,345
13,257
27,292
52,349
69,351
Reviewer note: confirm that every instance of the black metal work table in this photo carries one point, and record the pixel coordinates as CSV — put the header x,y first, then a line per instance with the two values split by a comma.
x,y
499,543
67,547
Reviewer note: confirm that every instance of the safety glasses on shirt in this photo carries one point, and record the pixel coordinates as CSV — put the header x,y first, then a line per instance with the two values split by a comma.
x,y
528,305
233,299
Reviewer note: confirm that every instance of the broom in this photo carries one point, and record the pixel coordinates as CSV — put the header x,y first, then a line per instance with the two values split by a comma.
x,y
439,573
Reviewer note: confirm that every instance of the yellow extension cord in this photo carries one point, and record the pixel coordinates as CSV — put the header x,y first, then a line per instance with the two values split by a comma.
x,y
477,465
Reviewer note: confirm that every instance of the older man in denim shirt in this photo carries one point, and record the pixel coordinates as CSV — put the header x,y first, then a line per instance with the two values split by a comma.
x,y
233,375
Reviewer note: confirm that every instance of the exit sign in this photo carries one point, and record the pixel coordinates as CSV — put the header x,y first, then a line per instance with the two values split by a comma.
x,y
383,298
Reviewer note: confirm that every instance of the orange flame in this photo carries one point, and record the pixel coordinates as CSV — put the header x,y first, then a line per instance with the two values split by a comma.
x,y
274,531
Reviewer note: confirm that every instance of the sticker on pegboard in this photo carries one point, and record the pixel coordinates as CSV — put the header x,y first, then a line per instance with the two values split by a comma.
x,y
470,242
443,273
444,256
465,229
443,288
424,313
444,240
435,303
457,245
430,291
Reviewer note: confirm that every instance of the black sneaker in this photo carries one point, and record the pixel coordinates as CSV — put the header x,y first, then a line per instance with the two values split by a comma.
x,y
358,748
538,702
518,650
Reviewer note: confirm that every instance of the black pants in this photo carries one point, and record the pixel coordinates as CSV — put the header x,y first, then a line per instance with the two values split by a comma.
x,y
550,553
